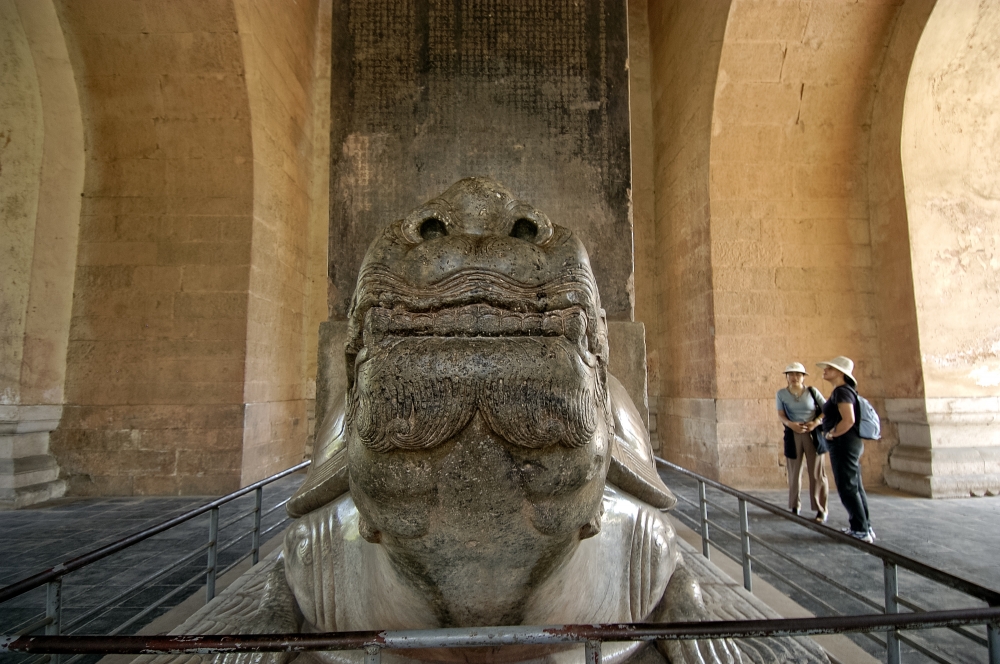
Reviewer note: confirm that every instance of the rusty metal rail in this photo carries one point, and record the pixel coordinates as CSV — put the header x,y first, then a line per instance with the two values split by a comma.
x,y
51,619
933,573
891,562
492,636
891,621
60,570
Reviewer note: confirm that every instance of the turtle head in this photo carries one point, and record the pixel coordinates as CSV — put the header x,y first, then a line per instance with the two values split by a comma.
x,y
476,262
478,425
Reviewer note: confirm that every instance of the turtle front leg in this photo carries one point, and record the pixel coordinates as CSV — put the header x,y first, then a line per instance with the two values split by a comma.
x,y
683,602
277,613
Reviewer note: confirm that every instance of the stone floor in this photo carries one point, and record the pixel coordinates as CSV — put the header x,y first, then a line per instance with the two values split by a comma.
x,y
961,536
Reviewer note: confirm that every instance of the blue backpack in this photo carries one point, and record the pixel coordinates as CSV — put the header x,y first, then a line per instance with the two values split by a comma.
x,y
869,425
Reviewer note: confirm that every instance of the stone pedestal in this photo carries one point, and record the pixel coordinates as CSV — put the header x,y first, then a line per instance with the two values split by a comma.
x,y
627,361
28,473
949,447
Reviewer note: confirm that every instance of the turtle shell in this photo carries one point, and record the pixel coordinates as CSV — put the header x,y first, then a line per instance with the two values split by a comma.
x,y
633,468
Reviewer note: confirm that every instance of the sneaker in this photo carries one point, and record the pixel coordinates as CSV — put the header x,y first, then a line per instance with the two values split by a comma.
x,y
795,511
820,517
864,537
871,533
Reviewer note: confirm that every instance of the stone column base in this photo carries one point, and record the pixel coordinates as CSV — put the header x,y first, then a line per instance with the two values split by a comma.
x,y
28,473
949,448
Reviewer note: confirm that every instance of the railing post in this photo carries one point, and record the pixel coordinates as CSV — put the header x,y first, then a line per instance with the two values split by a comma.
x,y
592,652
258,500
373,655
53,610
891,606
745,542
993,639
213,553
703,502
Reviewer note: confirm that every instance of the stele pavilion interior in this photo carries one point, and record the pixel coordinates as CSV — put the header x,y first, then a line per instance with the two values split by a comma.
x,y
186,189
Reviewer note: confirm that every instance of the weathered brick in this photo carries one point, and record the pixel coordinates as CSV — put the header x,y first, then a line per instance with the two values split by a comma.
x,y
208,484
215,278
189,16
753,61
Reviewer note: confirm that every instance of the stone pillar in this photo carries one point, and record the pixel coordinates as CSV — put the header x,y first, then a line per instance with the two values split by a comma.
x,y
28,473
948,447
950,438
40,183
201,264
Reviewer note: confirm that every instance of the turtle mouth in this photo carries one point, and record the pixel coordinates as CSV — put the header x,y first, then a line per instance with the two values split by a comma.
x,y
476,320
474,304
422,361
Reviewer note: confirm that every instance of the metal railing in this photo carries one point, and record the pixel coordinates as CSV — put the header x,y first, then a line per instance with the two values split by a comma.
x,y
592,636
891,562
52,621
889,618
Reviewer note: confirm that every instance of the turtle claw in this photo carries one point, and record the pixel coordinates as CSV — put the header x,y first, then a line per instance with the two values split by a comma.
x,y
683,602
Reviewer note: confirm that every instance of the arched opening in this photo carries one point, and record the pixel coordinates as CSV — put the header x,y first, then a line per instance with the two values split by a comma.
x,y
950,154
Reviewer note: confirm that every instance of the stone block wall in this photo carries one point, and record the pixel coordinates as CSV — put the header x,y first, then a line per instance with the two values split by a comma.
x,y
154,387
951,168
790,242
190,354
764,163
770,215
41,177
21,135
279,43
685,45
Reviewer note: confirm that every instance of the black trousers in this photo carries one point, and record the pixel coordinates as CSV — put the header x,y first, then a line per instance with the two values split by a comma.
x,y
845,458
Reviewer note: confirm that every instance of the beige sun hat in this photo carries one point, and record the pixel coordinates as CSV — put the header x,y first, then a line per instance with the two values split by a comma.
x,y
796,367
844,365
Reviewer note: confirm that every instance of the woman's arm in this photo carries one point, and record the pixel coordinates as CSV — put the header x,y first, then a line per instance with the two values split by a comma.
x,y
819,400
799,427
846,420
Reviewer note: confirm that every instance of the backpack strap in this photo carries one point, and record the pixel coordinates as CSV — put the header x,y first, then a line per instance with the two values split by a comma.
x,y
857,407
816,397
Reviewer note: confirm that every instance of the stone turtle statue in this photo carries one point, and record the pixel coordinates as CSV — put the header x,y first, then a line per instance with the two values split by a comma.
x,y
484,468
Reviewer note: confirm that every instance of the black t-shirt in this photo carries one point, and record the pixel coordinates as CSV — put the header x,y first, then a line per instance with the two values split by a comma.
x,y
831,409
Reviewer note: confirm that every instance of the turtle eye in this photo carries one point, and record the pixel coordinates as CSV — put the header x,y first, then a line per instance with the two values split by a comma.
x,y
524,229
432,228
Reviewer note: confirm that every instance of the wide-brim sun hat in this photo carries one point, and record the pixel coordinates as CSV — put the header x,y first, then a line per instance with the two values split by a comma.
x,y
844,365
796,367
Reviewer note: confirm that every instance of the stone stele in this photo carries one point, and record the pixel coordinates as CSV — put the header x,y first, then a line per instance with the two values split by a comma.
x,y
484,467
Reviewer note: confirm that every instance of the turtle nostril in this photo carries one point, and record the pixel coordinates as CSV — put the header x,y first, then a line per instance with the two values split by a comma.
x,y
524,229
432,227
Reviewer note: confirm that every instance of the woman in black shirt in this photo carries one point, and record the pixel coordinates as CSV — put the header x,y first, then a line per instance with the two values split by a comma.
x,y
842,428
